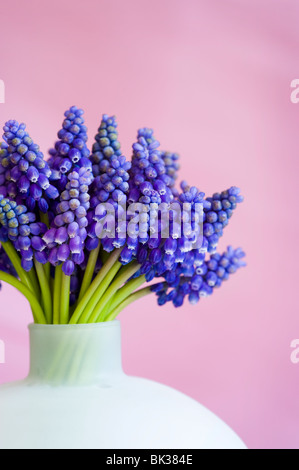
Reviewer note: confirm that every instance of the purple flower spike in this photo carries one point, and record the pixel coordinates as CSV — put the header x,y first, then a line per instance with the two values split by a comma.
x,y
26,173
172,166
112,173
19,226
68,232
148,183
201,284
218,209
70,151
106,145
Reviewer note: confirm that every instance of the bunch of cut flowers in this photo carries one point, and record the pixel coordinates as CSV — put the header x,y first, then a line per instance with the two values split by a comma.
x,y
86,233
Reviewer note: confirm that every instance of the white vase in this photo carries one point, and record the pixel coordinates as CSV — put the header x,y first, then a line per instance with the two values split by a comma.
x,y
77,397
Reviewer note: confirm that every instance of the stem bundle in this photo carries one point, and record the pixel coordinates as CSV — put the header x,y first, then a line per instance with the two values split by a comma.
x,y
101,297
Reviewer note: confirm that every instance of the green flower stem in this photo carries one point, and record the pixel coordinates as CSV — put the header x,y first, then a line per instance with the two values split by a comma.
x,y
129,271
107,309
44,218
45,290
123,293
95,284
47,269
104,255
93,257
15,259
36,308
56,294
99,293
52,285
72,309
65,299
34,282
128,301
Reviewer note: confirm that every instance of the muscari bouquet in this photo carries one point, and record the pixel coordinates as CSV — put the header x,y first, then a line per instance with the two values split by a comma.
x,y
82,232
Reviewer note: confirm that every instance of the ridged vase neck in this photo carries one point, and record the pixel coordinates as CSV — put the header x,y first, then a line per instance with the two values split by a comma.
x,y
75,355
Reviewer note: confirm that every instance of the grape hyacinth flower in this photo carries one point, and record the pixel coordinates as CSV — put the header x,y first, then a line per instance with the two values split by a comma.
x,y
202,282
24,174
148,171
218,209
21,228
70,150
65,239
172,167
110,185
149,185
106,145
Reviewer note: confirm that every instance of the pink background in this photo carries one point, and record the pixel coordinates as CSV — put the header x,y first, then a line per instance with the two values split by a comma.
x,y
213,78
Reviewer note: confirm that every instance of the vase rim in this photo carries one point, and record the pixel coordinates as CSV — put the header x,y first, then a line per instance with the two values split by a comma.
x,y
80,326
75,355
